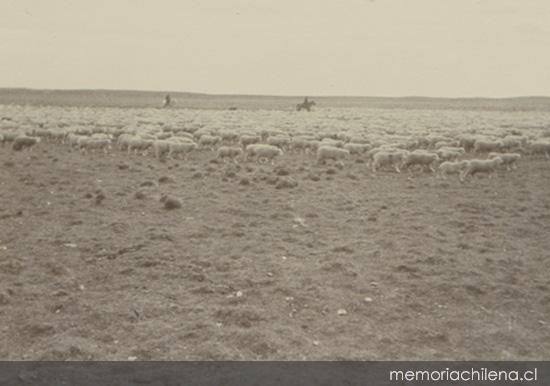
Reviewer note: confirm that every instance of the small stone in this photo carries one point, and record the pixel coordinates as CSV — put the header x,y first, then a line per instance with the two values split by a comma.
x,y
342,312
171,202
239,294
368,299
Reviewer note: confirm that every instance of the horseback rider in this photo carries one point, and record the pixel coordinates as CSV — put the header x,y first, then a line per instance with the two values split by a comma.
x,y
167,100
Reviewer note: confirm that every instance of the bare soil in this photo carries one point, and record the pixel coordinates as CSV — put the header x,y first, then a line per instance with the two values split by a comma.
x,y
345,265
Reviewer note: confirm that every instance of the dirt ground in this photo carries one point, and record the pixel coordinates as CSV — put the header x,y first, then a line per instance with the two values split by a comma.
x,y
345,265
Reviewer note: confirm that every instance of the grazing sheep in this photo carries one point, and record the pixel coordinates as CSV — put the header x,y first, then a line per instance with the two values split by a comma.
x,y
138,144
441,144
450,153
304,144
421,158
449,167
332,142
481,166
90,143
24,141
209,140
508,159
484,145
10,136
388,158
325,152
122,141
467,142
263,151
540,147
229,136
279,141
229,152
180,148
357,148
161,148
249,140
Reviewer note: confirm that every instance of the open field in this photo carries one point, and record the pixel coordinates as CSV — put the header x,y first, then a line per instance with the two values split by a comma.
x,y
150,99
339,263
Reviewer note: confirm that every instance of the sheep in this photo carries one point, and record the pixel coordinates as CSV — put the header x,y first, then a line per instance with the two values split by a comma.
x,y
24,141
484,145
229,136
10,136
481,166
421,158
388,157
305,144
508,159
229,152
450,153
90,143
441,144
161,148
357,148
249,140
263,151
136,144
332,142
449,167
467,141
122,141
279,141
540,147
325,152
180,147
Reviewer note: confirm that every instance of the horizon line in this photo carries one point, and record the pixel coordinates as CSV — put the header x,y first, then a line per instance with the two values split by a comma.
x,y
271,95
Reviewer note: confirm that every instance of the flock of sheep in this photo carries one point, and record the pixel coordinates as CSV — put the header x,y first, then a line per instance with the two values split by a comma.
x,y
334,135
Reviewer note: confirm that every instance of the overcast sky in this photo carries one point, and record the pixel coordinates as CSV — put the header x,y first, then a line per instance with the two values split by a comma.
x,y
492,48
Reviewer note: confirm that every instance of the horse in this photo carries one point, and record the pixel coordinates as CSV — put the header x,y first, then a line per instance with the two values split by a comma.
x,y
306,105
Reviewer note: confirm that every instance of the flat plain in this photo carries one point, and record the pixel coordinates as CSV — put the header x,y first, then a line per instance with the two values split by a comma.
x,y
340,263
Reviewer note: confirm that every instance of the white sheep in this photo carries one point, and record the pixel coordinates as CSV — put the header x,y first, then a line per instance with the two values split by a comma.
x,y
249,140
449,167
262,151
90,143
229,136
209,140
325,152
357,148
423,159
180,148
229,152
304,144
450,153
279,141
508,159
391,158
161,148
485,145
332,142
540,147
24,141
138,144
481,166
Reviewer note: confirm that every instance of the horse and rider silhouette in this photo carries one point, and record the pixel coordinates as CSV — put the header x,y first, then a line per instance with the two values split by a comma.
x,y
305,105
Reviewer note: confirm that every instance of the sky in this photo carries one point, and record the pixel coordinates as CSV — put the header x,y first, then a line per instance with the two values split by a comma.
x,y
438,48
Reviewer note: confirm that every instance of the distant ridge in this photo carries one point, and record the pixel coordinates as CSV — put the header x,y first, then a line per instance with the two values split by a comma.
x,y
195,100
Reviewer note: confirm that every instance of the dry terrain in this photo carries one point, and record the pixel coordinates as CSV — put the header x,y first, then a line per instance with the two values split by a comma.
x,y
345,265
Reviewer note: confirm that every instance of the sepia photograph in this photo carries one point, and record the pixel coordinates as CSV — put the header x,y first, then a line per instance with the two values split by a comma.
x,y
257,181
